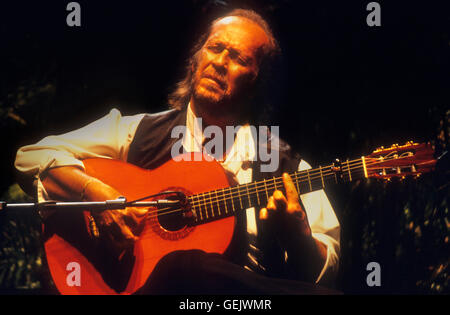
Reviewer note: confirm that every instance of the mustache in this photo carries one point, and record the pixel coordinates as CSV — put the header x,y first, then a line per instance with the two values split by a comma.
x,y
217,78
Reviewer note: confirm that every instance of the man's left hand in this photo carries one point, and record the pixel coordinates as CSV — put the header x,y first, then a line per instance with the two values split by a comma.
x,y
285,213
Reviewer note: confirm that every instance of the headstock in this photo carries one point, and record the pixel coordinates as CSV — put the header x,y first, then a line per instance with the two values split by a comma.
x,y
400,160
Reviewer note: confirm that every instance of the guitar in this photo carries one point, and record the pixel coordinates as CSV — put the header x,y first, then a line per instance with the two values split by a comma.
x,y
204,221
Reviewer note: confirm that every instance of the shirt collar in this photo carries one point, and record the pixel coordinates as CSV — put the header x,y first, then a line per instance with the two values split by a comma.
x,y
243,148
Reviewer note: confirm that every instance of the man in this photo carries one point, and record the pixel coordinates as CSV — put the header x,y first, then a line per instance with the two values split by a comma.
x,y
280,241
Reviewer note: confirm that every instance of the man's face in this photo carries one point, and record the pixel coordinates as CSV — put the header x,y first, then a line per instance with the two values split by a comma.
x,y
228,61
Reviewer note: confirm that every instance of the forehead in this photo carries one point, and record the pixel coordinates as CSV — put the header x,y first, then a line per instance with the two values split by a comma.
x,y
238,32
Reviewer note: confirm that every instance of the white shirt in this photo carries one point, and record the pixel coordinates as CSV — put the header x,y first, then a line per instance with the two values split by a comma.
x,y
110,137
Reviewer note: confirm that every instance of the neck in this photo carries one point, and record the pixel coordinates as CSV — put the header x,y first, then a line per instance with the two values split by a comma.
x,y
217,204
220,115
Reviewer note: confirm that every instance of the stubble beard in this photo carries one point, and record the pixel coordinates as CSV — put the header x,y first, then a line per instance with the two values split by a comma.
x,y
217,105
210,101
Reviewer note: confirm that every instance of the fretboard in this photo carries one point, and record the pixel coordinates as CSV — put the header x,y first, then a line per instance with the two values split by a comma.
x,y
217,204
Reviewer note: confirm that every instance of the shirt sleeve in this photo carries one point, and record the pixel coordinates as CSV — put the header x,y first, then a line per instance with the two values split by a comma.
x,y
325,228
108,137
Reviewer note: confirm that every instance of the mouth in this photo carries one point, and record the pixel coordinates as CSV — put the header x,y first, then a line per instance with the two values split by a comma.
x,y
217,81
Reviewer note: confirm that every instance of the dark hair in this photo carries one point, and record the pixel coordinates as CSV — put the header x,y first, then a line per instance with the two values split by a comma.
x,y
182,92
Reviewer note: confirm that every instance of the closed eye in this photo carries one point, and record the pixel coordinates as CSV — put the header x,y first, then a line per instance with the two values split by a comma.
x,y
235,55
216,48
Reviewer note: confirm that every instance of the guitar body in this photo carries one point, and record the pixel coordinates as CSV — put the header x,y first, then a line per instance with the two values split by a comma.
x,y
68,245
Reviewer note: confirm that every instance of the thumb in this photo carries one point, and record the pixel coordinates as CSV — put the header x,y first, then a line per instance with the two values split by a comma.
x,y
139,212
128,234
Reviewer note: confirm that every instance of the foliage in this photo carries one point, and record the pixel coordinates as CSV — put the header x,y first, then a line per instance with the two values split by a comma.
x,y
21,252
401,225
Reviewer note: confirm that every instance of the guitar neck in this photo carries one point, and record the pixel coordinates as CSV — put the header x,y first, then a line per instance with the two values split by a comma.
x,y
217,204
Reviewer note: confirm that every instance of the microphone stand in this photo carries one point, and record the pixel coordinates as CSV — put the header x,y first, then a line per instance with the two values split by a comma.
x,y
116,204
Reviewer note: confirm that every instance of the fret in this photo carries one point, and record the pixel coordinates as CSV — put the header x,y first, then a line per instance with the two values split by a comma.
x,y
206,207
210,202
265,187
240,199
349,173
217,201
321,176
225,202
296,181
257,195
248,195
200,208
309,180
363,159
275,183
232,199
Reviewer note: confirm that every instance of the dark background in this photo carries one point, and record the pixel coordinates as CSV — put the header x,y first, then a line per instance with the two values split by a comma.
x,y
346,88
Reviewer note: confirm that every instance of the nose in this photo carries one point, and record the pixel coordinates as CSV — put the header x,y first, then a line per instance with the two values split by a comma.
x,y
220,61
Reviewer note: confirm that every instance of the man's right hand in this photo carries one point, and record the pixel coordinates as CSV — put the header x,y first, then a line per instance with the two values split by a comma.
x,y
118,227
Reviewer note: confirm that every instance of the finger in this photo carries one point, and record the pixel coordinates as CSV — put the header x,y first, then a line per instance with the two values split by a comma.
x,y
280,200
271,204
120,227
112,231
103,218
127,233
291,192
134,216
139,212
263,214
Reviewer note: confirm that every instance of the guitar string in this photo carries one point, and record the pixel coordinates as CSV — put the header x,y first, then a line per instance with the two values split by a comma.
x,y
199,203
270,183
202,202
254,188
298,176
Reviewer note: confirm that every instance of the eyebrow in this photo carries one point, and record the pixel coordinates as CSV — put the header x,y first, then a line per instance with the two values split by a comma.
x,y
231,49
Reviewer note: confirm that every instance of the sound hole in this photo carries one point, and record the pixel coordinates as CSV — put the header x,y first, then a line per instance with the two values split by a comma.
x,y
174,222
172,219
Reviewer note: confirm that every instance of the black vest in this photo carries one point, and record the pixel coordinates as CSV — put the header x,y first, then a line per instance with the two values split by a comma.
x,y
151,147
